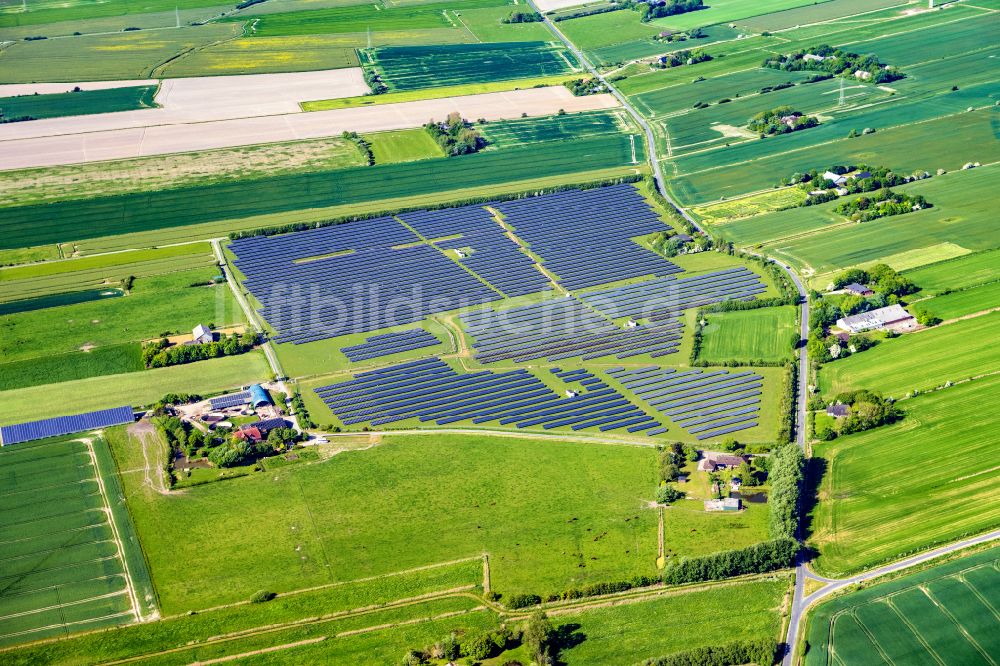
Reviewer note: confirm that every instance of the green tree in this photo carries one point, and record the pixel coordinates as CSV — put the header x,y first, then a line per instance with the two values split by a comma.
x,y
537,637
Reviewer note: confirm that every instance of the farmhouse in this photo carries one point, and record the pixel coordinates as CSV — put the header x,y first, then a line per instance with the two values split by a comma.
x,y
862,74
202,335
835,178
791,118
858,290
892,317
838,411
715,461
728,504
258,430
814,57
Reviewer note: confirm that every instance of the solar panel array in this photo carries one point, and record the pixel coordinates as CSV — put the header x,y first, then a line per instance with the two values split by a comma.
x,y
583,236
230,400
562,328
494,256
390,343
308,295
431,390
65,425
665,298
705,403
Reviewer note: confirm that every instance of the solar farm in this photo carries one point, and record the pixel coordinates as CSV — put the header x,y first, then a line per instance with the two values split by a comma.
x,y
65,425
63,569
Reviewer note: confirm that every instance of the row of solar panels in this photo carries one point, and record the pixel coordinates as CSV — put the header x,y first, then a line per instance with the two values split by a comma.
x,y
389,343
705,403
430,390
65,425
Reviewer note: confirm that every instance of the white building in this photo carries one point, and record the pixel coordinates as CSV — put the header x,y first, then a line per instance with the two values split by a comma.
x,y
201,335
893,316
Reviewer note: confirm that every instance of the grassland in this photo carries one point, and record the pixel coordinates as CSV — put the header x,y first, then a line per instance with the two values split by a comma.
x,y
920,361
941,614
160,172
764,335
351,19
403,146
609,29
81,10
122,55
62,568
959,273
450,497
900,488
107,360
567,127
102,216
744,207
263,55
434,93
156,305
961,303
81,103
726,11
134,388
415,67
485,24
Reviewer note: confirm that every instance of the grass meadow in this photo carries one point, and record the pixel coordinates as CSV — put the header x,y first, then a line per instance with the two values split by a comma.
x,y
764,334
962,303
265,55
918,361
942,613
82,10
54,368
62,571
134,388
82,103
959,273
904,487
403,146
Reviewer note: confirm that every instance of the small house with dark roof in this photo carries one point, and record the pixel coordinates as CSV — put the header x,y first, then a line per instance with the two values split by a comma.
x,y
838,411
858,290
713,462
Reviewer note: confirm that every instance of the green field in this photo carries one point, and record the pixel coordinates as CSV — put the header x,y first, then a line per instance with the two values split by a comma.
x,y
82,103
50,369
921,361
403,146
484,23
783,19
764,334
62,567
157,305
961,303
612,29
416,67
568,127
13,14
58,222
135,388
263,55
943,614
958,273
923,481
726,11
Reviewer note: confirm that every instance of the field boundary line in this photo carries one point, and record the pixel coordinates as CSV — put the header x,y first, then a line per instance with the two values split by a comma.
x,y
958,625
273,648
11,648
64,605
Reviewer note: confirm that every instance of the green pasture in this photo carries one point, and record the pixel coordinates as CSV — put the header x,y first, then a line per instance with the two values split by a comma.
x,y
922,360
961,303
941,40
484,23
61,567
265,55
54,368
783,19
962,215
744,207
941,613
610,28
338,520
435,93
352,18
160,172
403,146
618,53
780,228
725,11
34,225
40,13
134,388
415,67
764,334
568,127
121,55
81,103
160,304
959,273
122,262
144,20
938,487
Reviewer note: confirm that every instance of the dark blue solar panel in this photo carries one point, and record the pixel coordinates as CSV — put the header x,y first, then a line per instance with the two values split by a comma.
x,y
65,425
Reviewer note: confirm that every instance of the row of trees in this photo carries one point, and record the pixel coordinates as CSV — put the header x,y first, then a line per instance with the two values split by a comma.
x,y
161,353
537,636
456,135
746,651
654,9
363,145
780,120
522,16
882,203
880,278
825,58
787,463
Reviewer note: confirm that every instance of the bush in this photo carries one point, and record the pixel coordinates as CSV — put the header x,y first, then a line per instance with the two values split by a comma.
x,y
758,558
523,601
261,596
761,651
668,494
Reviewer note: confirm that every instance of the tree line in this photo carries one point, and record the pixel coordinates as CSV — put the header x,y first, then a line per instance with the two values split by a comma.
x,y
825,58
162,353
881,203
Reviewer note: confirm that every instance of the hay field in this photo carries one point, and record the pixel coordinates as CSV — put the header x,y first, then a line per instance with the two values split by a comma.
x,y
403,146
938,487
942,613
83,103
764,334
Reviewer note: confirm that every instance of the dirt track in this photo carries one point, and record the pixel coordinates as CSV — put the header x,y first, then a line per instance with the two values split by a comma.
x,y
91,140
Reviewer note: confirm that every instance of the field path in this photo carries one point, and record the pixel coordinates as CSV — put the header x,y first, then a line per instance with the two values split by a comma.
x,y
145,433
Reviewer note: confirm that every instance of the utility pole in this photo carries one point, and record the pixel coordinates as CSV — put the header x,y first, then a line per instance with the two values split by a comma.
x,y
177,15
841,102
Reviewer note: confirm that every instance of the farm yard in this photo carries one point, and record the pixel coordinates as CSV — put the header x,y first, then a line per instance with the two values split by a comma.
x,y
941,613
490,316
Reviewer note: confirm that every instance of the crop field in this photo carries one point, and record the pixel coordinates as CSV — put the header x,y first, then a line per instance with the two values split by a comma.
x,y
783,19
623,52
873,512
107,360
263,55
156,305
745,207
484,23
962,303
62,567
40,13
160,172
103,216
79,103
416,67
403,146
764,334
958,273
135,388
942,614
125,55
921,360
611,29
725,11
356,18
335,521
567,127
